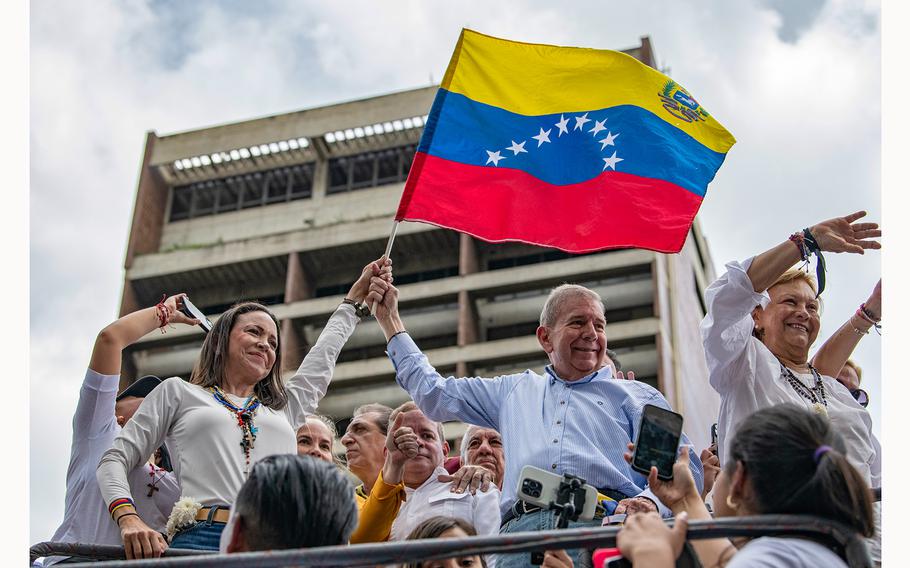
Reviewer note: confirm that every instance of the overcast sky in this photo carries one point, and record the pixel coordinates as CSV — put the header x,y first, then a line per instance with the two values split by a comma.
x,y
797,83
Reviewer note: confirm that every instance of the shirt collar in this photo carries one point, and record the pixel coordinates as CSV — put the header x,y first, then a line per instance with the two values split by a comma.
x,y
430,480
605,372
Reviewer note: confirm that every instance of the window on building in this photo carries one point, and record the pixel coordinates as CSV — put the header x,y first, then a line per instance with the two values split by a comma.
x,y
270,300
422,276
370,169
537,257
244,191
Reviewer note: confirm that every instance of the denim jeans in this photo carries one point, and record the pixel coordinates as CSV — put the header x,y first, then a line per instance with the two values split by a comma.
x,y
204,535
540,521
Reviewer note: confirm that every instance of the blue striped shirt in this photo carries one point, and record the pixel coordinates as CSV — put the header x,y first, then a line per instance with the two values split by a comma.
x,y
579,427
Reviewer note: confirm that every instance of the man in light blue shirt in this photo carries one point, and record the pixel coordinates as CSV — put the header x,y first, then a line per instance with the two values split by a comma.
x,y
574,418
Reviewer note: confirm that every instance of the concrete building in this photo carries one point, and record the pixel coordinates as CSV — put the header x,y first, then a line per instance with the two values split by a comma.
x,y
287,209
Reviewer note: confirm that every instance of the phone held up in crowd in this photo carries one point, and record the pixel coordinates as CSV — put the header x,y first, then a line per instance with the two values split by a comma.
x,y
657,442
191,311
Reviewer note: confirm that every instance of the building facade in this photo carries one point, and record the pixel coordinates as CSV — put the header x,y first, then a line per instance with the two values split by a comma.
x,y
287,209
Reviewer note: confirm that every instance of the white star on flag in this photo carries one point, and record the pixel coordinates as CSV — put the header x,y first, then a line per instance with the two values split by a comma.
x,y
494,157
608,141
581,120
517,148
542,137
562,125
598,126
611,162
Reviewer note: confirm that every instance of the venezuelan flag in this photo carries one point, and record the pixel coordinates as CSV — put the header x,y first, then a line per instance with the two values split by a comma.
x,y
572,148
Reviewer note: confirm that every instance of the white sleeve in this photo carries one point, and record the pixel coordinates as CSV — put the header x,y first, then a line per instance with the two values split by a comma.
x,y
876,468
726,331
486,512
309,384
95,410
137,440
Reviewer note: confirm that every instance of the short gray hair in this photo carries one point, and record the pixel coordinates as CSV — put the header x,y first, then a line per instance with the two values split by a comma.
x,y
382,421
463,452
558,297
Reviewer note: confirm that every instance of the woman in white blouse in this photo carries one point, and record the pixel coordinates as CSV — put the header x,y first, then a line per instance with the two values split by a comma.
x,y
762,318
234,411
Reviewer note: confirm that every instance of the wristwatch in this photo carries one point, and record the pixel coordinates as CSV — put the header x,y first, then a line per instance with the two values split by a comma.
x,y
362,310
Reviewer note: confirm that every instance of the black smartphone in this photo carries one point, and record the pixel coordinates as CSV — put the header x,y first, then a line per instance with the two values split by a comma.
x,y
191,311
657,442
714,435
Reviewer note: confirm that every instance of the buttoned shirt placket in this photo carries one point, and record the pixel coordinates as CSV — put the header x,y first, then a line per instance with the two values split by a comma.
x,y
562,395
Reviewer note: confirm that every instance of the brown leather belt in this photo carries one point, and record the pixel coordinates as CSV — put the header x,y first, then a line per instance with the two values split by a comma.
x,y
221,515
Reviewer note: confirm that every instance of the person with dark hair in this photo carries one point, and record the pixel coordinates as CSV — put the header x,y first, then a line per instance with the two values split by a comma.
x,y
234,411
446,527
451,527
100,415
291,501
782,460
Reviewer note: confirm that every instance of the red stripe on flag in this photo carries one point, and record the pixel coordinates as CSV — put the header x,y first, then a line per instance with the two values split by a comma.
x,y
613,210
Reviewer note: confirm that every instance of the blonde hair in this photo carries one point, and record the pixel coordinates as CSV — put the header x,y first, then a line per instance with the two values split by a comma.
x,y
796,274
857,368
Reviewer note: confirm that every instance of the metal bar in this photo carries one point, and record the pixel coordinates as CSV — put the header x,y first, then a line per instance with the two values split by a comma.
x,y
594,537
98,551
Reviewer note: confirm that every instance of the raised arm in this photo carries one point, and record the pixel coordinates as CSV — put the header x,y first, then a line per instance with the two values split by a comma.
x,y
681,495
834,352
381,507
114,338
474,400
840,234
311,381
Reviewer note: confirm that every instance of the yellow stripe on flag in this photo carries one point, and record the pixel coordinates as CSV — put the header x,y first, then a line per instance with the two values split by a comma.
x,y
534,79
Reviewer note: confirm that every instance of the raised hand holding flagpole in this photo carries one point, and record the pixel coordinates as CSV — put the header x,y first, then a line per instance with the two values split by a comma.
x,y
388,251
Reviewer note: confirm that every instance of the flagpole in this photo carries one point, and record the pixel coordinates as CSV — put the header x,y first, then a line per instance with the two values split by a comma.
x,y
388,249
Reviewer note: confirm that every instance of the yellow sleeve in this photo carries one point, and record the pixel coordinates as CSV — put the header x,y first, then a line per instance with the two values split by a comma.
x,y
378,512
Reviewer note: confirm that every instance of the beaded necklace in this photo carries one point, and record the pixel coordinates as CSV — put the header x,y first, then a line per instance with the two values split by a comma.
x,y
244,420
815,395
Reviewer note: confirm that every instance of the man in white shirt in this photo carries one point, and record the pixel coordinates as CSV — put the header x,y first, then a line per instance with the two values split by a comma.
x,y
100,414
421,449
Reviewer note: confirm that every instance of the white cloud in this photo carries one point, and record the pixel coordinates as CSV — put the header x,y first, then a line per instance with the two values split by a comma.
x,y
807,116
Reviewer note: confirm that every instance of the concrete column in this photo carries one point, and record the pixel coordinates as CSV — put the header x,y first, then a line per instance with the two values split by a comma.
x,y
468,327
297,286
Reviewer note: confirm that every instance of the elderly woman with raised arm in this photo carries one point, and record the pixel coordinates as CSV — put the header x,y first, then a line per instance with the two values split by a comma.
x,y
763,316
234,411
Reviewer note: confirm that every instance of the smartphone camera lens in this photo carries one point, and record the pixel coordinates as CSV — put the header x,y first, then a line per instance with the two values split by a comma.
x,y
531,487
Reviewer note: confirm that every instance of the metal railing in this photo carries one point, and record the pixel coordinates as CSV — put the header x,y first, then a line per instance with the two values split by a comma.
x,y
853,545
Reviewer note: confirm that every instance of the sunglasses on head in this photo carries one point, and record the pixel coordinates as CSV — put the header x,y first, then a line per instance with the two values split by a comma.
x,y
861,396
